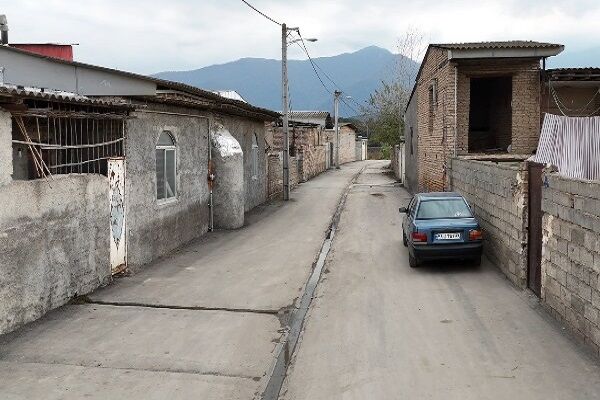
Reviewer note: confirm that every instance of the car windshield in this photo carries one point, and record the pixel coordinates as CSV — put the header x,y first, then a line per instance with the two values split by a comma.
x,y
443,208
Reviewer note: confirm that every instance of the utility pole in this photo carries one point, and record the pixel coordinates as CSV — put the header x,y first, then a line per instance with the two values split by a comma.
x,y
336,105
286,130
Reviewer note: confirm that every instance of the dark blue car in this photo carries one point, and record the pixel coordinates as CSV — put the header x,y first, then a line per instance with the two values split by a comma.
x,y
440,226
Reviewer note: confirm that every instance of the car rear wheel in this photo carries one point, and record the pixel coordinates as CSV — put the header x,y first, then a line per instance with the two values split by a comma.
x,y
413,261
404,239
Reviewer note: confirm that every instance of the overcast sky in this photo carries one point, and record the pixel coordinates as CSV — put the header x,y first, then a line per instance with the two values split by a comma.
x,y
156,35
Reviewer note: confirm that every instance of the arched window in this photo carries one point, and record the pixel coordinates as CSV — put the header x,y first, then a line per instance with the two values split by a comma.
x,y
254,156
166,167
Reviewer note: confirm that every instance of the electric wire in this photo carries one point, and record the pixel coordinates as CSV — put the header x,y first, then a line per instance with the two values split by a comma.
x,y
261,13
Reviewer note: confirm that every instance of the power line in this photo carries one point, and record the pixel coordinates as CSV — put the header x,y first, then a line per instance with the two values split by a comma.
x,y
315,66
261,13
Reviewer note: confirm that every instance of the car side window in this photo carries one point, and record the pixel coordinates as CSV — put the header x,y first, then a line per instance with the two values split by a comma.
x,y
411,206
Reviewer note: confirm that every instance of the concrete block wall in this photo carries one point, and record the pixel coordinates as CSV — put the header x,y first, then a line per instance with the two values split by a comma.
x,y
55,244
571,254
497,193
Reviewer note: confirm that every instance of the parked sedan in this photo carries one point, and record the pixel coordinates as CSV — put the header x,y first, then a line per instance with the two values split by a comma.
x,y
440,226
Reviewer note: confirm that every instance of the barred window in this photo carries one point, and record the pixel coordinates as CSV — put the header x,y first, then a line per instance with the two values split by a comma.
x,y
166,167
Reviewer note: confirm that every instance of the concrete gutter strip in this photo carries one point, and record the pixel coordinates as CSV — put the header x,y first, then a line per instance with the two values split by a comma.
x,y
286,349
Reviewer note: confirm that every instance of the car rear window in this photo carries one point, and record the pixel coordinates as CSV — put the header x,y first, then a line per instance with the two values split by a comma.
x,y
443,208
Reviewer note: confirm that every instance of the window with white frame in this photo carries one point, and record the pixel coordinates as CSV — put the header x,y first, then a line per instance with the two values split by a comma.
x,y
166,167
254,156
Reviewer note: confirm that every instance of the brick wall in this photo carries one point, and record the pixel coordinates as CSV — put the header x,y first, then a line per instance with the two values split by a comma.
x,y
497,193
526,93
571,254
306,142
436,125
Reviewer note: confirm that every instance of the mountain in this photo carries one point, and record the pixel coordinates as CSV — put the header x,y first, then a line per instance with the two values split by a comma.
x,y
576,58
258,80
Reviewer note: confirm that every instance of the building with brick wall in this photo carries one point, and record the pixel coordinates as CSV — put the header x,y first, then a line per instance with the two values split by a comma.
x,y
347,141
472,98
308,146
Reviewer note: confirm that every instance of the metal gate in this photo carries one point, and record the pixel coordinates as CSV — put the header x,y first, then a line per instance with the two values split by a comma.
x,y
116,195
534,247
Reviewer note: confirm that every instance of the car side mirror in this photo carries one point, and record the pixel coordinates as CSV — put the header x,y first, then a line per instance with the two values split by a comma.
x,y
403,210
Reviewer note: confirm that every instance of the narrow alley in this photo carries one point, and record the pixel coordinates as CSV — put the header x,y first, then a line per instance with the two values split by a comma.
x,y
196,325
379,329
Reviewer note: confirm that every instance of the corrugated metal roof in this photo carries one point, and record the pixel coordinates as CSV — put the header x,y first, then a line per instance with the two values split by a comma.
x,y
510,44
574,74
309,114
55,95
160,83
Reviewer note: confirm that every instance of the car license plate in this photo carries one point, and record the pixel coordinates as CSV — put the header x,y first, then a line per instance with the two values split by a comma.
x,y
447,236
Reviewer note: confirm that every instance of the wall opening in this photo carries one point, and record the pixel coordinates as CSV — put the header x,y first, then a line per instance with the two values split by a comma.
x,y
52,138
490,115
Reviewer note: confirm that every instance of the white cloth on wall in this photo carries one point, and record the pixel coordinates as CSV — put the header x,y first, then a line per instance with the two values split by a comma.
x,y
572,144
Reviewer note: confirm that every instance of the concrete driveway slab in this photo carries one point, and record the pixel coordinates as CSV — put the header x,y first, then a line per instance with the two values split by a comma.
x,y
263,266
25,381
206,343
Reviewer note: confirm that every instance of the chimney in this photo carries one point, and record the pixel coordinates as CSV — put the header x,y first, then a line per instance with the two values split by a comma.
x,y
3,29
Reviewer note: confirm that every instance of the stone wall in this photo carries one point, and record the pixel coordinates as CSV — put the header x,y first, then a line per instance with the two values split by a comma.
x,y
55,244
313,162
275,174
571,254
497,192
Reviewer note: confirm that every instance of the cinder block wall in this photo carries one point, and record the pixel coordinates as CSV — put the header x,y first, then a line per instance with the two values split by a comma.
x,y
571,254
498,196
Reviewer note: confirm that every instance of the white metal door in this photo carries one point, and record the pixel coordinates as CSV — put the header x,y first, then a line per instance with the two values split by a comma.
x,y
116,195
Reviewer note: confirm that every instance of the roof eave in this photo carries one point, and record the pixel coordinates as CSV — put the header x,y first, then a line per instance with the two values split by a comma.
x,y
535,52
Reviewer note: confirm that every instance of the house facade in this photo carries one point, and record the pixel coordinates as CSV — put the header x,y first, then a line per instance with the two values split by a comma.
x,y
106,170
472,98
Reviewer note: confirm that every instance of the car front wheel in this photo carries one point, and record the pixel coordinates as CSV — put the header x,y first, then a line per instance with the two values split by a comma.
x,y
412,261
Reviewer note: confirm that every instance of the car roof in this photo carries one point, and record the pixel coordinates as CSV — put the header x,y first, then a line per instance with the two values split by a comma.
x,y
438,195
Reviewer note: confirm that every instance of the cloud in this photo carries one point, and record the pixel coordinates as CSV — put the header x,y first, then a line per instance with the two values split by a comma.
x,y
155,35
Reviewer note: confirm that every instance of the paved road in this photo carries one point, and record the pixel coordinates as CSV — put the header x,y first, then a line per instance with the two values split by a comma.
x,y
381,330
204,323
208,321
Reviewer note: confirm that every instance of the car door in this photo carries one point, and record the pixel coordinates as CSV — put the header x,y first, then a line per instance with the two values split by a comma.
x,y
407,222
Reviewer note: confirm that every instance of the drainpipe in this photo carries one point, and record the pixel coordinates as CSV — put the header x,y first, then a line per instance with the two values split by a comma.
x,y
211,182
